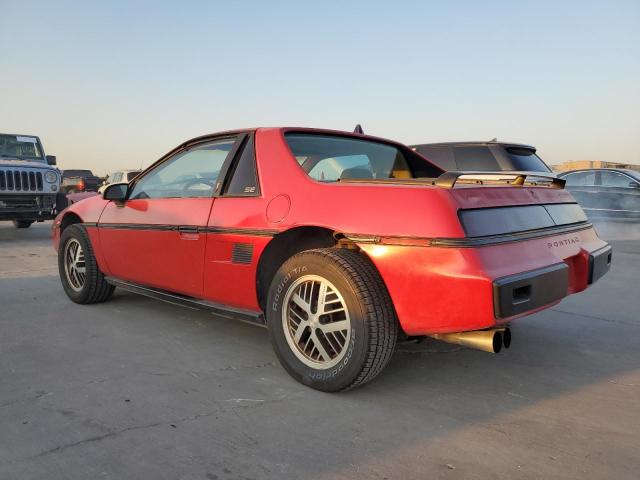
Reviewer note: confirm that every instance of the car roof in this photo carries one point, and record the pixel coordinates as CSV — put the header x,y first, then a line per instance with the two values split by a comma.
x,y
320,131
606,169
471,143
20,135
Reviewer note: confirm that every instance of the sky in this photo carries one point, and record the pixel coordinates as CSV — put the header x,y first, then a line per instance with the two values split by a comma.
x,y
113,85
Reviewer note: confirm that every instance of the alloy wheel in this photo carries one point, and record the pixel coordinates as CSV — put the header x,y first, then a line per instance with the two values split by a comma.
x,y
316,322
74,264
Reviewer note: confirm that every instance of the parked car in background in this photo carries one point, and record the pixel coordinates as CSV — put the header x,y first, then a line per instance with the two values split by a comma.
x,y
336,241
120,176
606,192
74,181
492,156
29,181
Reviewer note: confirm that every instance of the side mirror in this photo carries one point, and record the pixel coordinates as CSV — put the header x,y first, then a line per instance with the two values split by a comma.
x,y
51,159
116,192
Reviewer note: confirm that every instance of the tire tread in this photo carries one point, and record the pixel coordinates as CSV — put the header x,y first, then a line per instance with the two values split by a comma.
x,y
382,320
99,290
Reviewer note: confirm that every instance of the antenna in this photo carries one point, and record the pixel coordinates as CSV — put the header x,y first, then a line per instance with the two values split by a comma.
x,y
358,129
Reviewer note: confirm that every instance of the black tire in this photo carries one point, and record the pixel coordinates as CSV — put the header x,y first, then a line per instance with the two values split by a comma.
x,y
373,323
22,223
95,288
61,202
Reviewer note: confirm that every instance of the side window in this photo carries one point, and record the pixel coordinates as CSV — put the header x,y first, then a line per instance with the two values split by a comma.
x,y
335,168
614,179
441,156
475,159
581,179
244,177
189,174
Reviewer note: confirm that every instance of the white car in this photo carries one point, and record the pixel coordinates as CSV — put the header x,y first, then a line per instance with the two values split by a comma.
x,y
119,176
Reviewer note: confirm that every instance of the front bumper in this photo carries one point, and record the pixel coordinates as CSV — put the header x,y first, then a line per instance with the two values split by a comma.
x,y
27,207
454,289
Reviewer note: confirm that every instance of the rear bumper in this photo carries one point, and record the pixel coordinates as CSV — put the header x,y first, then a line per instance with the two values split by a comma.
x,y
453,289
522,292
599,263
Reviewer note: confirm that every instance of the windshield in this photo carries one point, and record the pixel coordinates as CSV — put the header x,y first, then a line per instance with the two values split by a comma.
x,y
633,173
22,147
331,158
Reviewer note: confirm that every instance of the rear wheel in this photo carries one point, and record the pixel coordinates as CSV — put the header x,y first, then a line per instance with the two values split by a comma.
x,y
330,319
22,223
82,280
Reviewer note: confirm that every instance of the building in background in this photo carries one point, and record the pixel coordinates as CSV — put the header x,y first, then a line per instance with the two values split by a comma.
x,y
584,164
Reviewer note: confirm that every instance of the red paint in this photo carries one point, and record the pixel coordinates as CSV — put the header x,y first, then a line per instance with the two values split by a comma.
x,y
278,208
163,259
433,289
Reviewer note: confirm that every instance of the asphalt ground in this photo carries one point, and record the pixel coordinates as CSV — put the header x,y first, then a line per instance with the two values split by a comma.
x,y
139,389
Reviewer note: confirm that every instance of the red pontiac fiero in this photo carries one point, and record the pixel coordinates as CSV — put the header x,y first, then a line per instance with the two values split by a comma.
x,y
338,242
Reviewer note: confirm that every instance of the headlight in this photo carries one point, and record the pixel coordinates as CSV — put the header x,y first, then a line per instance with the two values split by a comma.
x,y
51,177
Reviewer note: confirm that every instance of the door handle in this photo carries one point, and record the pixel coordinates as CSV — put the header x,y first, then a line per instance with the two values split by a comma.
x,y
188,232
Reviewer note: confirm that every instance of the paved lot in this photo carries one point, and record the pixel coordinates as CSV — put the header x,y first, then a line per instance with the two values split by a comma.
x,y
139,389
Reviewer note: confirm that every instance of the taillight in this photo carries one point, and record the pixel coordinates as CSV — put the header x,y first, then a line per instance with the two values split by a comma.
x,y
81,185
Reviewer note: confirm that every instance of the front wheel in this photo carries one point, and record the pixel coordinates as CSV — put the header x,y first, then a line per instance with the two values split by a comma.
x,y
82,280
331,320
22,223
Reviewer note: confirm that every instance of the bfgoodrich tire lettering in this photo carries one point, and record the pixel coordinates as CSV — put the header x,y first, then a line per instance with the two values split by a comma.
x,y
356,339
82,280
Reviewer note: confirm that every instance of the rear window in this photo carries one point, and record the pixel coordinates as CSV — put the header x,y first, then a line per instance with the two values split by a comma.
x,y
329,158
526,160
76,173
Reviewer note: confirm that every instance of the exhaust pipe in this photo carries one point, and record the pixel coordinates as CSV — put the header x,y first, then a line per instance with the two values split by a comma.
x,y
490,341
506,336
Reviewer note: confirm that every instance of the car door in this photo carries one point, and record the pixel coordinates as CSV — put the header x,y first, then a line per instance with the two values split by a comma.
x,y
237,234
619,193
582,186
155,237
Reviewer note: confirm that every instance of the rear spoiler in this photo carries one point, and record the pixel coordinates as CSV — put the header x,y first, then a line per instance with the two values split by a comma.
x,y
450,179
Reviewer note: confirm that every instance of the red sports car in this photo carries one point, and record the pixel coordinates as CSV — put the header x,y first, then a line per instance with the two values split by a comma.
x,y
338,242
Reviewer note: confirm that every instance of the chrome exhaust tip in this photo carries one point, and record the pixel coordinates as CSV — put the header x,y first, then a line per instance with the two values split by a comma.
x,y
490,341
506,337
